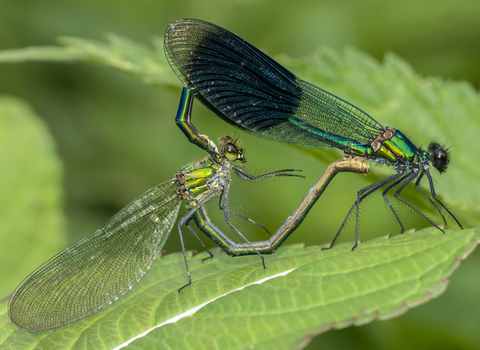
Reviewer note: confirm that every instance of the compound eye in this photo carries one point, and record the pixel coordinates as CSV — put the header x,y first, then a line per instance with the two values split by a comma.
x,y
440,159
230,151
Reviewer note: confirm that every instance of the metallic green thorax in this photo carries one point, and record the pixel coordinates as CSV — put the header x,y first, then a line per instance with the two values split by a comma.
x,y
391,147
200,180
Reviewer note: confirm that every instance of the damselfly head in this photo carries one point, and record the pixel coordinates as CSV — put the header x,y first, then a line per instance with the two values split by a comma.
x,y
438,156
231,149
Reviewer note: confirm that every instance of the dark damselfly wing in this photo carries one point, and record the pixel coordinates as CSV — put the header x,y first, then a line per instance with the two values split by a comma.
x,y
250,90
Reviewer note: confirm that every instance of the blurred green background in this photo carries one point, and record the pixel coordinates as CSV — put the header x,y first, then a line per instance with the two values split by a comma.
x,y
116,136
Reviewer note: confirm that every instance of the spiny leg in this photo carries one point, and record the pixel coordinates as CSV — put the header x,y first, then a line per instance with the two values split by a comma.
x,y
251,221
187,223
384,194
412,177
223,203
417,185
184,220
284,172
361,195
246,176
185,260
434,195
346,219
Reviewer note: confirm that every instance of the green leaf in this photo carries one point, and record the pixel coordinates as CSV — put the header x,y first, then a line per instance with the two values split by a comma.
x,y
328,289
31,220
143,62
149,65
38,53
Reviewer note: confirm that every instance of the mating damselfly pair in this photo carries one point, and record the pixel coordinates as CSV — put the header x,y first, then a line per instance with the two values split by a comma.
x,y
251,91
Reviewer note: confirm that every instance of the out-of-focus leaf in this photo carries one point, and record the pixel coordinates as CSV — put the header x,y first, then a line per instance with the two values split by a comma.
x,y
147,64
38,53
31,220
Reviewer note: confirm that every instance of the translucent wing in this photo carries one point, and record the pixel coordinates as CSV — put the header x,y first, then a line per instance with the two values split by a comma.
x,y
100,268
250,90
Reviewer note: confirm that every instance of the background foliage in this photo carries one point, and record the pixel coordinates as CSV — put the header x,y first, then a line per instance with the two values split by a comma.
x,y
116,136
